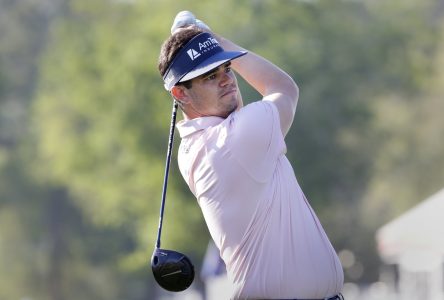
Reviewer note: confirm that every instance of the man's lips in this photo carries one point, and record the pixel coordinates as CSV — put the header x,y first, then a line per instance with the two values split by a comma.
x,y
230,91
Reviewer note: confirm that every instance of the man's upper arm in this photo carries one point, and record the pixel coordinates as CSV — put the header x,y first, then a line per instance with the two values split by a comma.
x,y
256,140
286,106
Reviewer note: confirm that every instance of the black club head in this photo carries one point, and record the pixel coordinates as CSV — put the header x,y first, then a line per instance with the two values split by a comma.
x,y
172,270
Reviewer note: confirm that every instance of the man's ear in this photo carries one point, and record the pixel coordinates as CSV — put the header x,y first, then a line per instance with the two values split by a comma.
x,y
179,93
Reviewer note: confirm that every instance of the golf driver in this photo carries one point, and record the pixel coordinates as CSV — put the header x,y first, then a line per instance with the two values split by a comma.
x,y
172,270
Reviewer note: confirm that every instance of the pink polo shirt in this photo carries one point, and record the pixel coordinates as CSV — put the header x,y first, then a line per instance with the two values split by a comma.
x,y
268,235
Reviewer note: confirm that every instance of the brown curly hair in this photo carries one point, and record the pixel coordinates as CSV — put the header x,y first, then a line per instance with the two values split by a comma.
x,y
172,46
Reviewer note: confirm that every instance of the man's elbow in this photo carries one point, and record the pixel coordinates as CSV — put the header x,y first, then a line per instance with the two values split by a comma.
x,y
294,87
293,92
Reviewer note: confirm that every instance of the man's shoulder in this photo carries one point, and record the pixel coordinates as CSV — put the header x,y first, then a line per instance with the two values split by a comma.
x,y
256,114
258,106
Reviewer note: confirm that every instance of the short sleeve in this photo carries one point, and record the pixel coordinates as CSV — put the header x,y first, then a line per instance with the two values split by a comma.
x,y
255,139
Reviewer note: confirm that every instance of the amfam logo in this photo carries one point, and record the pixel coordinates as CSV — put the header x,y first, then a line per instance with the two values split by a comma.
x,y
208,45
193,54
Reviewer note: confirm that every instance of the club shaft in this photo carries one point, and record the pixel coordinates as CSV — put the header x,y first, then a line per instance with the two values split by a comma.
x,y
167,169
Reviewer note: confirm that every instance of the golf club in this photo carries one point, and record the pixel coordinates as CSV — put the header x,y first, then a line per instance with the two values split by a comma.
x,y
172,270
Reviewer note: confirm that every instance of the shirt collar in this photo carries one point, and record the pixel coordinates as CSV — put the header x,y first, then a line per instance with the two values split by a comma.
x,y
187,127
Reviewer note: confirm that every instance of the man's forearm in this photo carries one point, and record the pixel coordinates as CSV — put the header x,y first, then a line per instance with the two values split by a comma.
x,y
260,73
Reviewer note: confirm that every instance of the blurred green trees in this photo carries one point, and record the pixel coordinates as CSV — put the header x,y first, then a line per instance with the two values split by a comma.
x,y
84,125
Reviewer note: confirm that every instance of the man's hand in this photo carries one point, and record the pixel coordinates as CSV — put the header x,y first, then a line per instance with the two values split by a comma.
x,y
186,19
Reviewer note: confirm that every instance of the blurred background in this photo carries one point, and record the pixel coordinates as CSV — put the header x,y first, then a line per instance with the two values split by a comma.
x,y
84,126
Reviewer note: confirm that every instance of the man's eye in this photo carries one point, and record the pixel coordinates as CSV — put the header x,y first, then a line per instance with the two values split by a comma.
x,y
227,69
211,77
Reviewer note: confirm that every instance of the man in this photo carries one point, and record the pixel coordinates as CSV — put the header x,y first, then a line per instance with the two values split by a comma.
x,y
233,160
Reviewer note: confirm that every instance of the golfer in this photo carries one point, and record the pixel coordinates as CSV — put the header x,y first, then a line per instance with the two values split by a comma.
x,y
233,159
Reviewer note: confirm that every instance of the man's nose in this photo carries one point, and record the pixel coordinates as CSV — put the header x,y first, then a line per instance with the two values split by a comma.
x,y
227,78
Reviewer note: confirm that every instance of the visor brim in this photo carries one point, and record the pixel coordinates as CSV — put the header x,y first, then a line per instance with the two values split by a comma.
x,y
212,63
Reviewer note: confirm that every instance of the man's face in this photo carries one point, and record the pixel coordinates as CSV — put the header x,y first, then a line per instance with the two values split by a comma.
x,y
215,93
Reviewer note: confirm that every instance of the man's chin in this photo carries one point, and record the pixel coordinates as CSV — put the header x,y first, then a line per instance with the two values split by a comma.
x,y
231,110
235,105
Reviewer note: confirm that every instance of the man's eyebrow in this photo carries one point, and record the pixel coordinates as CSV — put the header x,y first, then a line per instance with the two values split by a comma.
x,y
227,64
